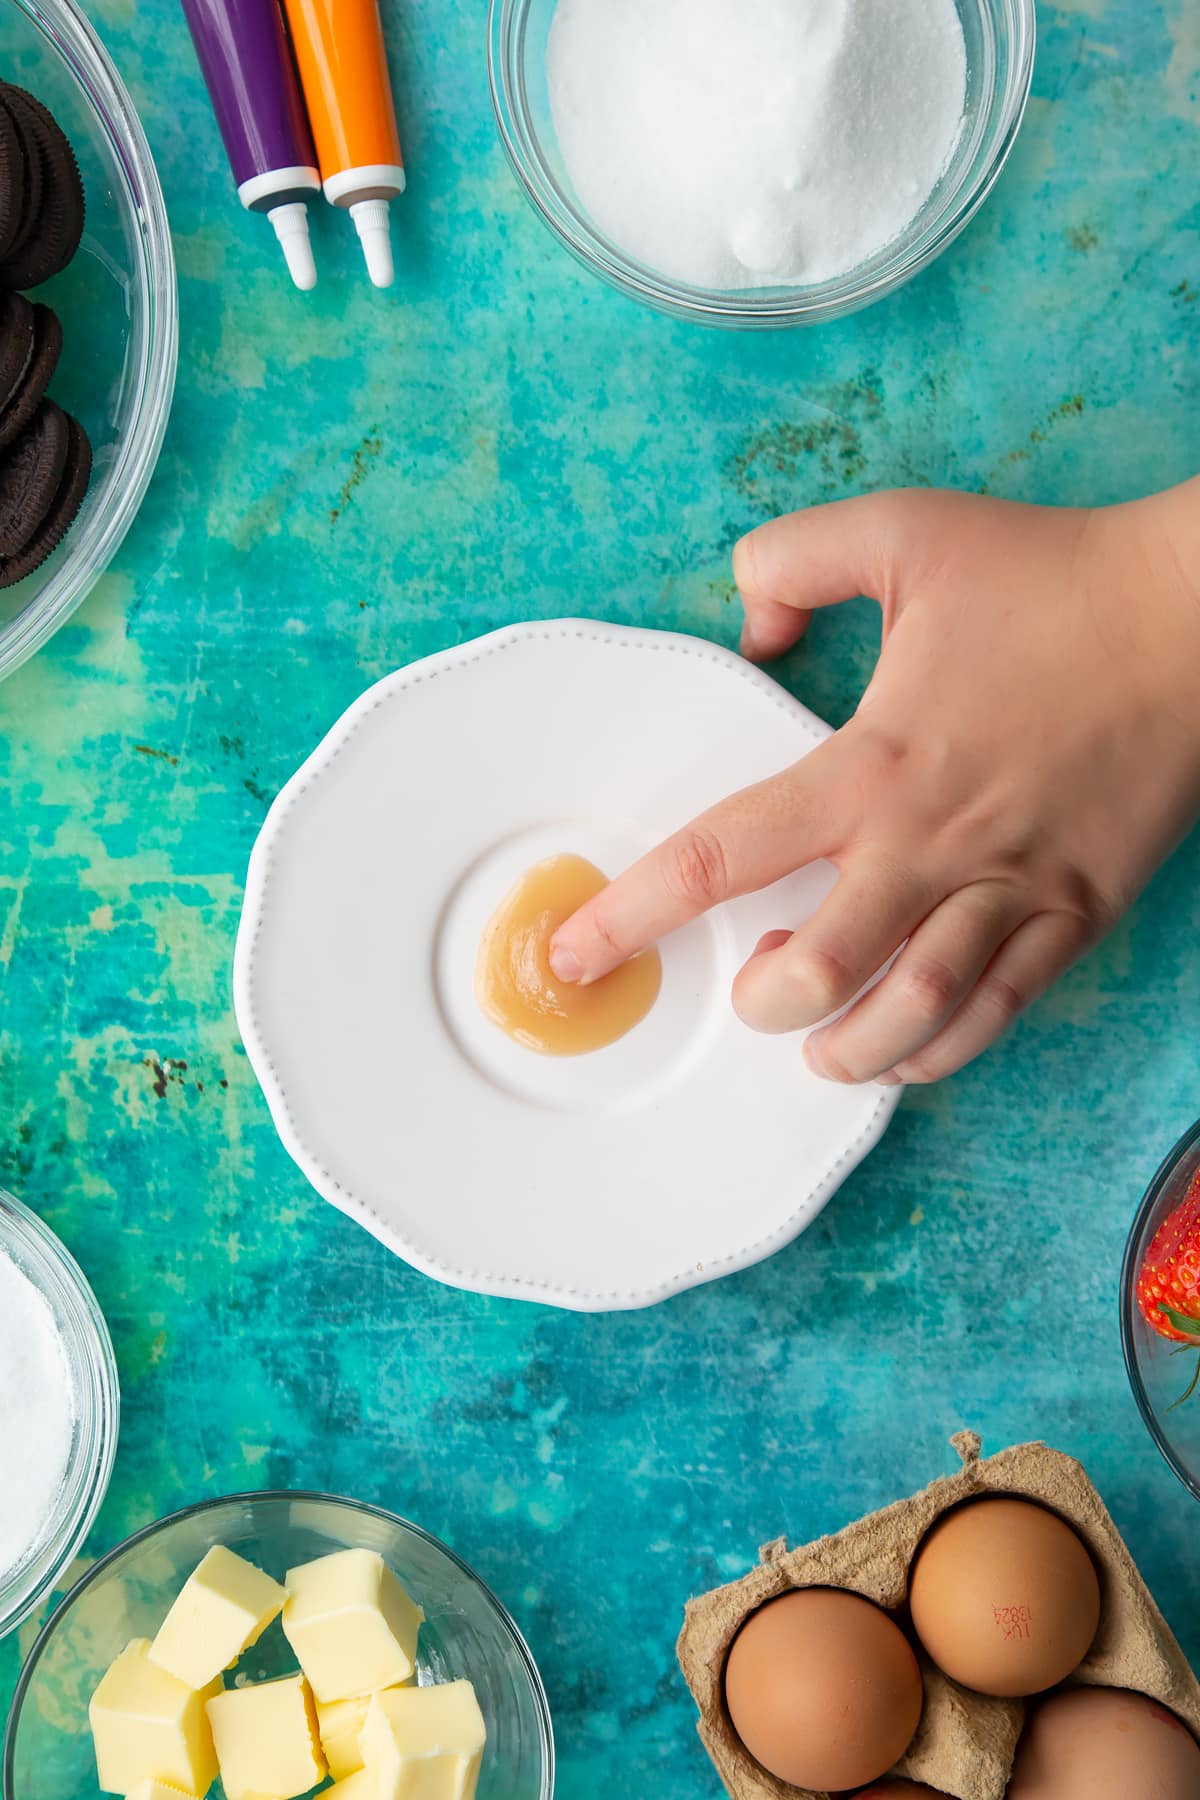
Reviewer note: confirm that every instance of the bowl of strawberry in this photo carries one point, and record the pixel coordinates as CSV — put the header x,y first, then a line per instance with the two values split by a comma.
x,y
1160,1309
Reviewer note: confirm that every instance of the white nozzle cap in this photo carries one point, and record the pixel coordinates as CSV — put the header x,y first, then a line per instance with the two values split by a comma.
x,y
291,228
371,219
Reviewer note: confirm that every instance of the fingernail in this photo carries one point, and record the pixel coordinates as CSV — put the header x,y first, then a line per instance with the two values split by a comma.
x,y
746,644
814,1059
565,964
891,1079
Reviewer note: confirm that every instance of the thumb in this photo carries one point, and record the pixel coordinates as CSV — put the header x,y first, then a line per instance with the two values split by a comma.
x,y
820,557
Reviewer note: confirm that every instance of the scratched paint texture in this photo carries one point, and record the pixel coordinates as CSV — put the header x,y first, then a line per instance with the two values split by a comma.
x,y
350,481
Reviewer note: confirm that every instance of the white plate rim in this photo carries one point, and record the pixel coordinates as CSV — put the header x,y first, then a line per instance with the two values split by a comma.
x,y
335,1192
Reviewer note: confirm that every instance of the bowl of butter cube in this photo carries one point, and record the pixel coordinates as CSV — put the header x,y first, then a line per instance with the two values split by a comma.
x,y
268,1646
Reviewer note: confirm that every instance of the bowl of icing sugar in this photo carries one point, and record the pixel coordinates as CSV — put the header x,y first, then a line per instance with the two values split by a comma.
x,y
759,162
59,1410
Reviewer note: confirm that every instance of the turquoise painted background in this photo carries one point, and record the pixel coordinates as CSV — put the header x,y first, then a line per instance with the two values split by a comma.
x,y
351,480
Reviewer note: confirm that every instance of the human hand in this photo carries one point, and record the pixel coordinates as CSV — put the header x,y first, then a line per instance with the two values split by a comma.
x,y
1026,754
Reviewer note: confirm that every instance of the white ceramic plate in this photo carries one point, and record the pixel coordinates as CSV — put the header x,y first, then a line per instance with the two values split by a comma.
x,y
690,1148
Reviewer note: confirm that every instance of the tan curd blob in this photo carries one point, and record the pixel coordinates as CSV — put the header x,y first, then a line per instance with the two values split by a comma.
x,y
516,987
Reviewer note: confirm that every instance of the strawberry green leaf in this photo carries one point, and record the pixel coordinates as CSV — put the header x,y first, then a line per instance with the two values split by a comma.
x,y
1180,1321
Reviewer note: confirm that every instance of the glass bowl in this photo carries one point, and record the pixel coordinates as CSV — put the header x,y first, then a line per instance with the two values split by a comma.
x,y
48,1746
1160,1370
60,1281
1000,37
117,302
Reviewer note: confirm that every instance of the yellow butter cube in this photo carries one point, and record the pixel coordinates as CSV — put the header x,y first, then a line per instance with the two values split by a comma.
x,y
146,1725
425,1743
223,1608
340,1723
266,1739
157,1790
359,1786
351,1624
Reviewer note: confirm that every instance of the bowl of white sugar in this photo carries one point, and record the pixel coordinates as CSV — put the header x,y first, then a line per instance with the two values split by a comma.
x,y
759,162
59,1409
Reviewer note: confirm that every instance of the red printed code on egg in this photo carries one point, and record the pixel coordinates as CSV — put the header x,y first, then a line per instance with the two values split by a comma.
x,y
1013,1621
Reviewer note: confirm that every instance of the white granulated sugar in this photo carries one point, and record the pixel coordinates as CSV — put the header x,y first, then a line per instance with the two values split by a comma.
x,y
748,143
37,1415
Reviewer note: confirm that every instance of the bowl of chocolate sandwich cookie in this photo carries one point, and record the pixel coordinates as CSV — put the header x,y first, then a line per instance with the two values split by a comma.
x,y
88,317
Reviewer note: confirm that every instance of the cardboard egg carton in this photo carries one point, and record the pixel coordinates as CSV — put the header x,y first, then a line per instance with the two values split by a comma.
x,y
965,1743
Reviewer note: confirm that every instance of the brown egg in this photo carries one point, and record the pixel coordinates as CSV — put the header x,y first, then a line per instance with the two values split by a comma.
x,y
1004,1597
1105,1744
823,1689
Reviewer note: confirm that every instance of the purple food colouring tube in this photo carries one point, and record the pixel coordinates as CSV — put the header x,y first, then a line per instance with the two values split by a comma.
x,y
247,66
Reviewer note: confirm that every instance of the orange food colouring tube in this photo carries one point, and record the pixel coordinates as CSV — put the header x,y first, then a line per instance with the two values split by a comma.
x,y
343,70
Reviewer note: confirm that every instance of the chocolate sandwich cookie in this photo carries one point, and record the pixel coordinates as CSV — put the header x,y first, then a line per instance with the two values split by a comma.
x,y
40,365
13,179
68,498
15,102
30,474
52,237
17,337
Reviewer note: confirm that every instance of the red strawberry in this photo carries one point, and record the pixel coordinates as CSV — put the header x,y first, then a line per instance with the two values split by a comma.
x,y
1168,1287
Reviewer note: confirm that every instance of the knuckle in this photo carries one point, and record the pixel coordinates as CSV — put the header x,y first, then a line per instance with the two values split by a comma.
x,y
608,934
973,813
1092,911
998,998
922,1068
882,756
1097,920
696,870
930,989
889,519
833,1068
824,977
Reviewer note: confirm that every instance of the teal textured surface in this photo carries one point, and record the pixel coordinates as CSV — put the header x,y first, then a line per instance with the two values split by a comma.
x,y
351,480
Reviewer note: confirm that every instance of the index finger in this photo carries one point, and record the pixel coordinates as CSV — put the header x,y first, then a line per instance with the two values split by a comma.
x,y
745,842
